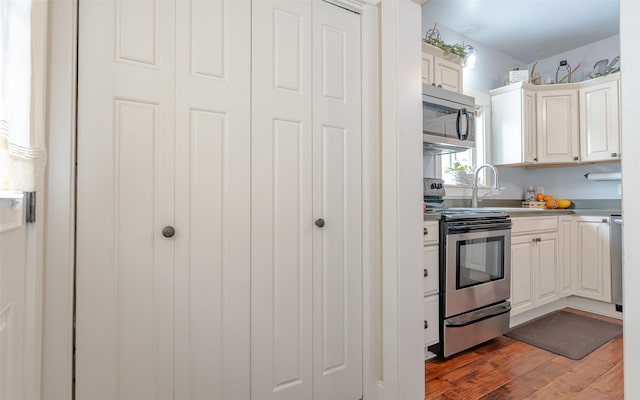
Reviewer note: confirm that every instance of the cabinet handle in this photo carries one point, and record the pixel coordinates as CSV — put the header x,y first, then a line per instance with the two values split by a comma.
x,y
426,324
440,86
425,231
426,273
319,223
433,84
605,220
534,240
576,158
614,154
535,159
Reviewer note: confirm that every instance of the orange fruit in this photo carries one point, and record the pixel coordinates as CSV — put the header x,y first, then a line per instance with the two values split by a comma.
x,y
547,197
552,203
564,203
540,197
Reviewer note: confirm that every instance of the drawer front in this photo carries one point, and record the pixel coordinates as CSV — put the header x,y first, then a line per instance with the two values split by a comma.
x,y
533,224
431,269
431,232
431,320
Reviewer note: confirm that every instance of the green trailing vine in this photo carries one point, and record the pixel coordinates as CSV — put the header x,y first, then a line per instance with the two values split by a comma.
x,y
433,38
456,49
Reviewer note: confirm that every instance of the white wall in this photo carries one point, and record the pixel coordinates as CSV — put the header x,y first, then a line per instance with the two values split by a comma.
x,y
585,56
561,183
629,33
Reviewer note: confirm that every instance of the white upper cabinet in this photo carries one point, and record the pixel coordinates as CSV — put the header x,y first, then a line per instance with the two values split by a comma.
x,y
513,118
440,69
600,120
557,126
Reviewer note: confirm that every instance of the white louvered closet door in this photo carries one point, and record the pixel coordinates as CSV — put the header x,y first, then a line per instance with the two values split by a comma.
x,y
306,167
163,140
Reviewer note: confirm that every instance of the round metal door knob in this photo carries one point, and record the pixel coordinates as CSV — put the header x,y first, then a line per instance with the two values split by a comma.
x,y
168,231
320,223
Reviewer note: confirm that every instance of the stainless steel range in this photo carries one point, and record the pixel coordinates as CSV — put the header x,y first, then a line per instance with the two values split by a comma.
x,y
475,277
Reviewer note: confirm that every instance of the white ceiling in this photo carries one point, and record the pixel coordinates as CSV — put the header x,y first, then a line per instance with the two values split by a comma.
x,y
524,28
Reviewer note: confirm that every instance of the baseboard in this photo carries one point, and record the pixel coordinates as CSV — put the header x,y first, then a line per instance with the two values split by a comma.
x,y
537,312
428,355
579,303
594,306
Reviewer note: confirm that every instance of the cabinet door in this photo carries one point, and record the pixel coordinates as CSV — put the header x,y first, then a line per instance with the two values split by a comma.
x,y
427,69
594,265
546,271
448,75
513,121
566,255
522,268
529,142
557,126
431,269
431,320
599,122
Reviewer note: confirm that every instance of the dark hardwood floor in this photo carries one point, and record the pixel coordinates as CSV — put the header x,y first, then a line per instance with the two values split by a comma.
x,y
505,368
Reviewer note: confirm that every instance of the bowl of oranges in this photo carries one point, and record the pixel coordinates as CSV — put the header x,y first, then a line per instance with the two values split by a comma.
x,y
551,202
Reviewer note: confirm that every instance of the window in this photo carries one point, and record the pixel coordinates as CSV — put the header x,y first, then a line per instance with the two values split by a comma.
x,y
23,28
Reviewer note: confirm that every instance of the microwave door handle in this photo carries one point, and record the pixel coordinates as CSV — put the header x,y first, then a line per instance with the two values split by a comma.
x,y
466,114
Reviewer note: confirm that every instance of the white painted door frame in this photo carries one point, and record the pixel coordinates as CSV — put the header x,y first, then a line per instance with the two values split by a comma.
x,y
389,362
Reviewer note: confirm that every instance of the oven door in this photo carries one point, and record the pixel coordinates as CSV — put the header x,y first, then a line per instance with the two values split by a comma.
x,y
477,270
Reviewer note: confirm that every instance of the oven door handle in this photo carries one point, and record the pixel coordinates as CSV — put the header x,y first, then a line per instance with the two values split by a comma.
x,y
480,226
477,316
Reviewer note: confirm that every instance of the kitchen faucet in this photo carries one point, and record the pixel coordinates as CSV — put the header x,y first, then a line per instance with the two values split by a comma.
x,y
495,190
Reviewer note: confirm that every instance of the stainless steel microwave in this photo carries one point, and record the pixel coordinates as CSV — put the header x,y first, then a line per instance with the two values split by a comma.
x,y
448,121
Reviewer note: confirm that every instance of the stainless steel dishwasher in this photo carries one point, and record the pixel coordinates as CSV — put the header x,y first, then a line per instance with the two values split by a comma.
x,y
615,238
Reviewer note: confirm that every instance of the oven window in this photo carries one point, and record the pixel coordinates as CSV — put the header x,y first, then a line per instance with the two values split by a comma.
x,y
479,261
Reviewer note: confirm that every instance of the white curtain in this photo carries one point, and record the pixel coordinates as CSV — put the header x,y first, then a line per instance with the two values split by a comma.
x,y
23,27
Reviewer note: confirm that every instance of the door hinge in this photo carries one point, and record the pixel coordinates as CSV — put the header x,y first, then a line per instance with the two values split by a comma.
x,y
30,206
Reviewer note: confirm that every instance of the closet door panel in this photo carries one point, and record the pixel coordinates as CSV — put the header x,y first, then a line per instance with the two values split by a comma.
x,y
337,179
124,316
212,153
281,229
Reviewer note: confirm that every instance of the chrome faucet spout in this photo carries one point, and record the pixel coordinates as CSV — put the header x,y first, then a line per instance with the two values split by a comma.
x,y
496,185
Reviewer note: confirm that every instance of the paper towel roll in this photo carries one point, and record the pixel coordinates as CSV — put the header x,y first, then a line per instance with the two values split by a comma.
x,y
603,176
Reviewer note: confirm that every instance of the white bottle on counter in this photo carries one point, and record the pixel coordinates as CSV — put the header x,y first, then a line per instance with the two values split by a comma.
x,y
531,194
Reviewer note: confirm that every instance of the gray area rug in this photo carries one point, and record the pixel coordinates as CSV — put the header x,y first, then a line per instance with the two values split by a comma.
x,y
567,334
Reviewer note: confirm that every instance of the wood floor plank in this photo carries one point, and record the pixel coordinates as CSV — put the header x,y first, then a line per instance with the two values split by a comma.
x,y
505,368
609,386
527,384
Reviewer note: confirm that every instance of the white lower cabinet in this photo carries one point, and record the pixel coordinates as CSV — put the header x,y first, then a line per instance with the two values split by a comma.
x,y
593,275
431,265
556,257
534,270
431,320
534,263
